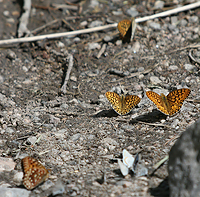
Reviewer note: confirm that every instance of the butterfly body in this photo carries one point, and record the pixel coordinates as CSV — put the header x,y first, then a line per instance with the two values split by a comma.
x,y
34,172
171,103
122,104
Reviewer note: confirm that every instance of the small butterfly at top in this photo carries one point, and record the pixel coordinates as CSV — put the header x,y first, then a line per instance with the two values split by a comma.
x,y
34,173
171,103
127,29
122,104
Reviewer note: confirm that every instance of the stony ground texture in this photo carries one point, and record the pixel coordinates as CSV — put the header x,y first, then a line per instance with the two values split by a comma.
x,y
76,134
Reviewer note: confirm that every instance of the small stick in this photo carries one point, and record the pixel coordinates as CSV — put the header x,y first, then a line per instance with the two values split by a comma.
x,y
63,88
114,25
101,51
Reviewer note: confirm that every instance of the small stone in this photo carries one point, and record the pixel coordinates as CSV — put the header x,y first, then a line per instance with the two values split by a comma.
x,y
1,79
9,130
107,38
10,20
24,68
155,80
92,46
75,137
159,4
6,164
193,19
6,13
132,12
32,140
95,24
189,67
136,47
174,20
84,24
175,123
117,13
173,67
14,192
60,44
76,40
183,22
154,25
11,55
59,188
118,43
18,177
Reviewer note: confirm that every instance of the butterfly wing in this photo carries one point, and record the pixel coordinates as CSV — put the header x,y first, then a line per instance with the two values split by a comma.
x,y
123,168
130,101
176,99
158,101
34,172
115,101
123,27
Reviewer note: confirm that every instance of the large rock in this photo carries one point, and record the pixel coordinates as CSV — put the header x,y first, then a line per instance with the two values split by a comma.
x,y
184,164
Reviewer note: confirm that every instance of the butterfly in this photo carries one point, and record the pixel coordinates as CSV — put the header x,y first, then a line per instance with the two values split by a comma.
x,y
34,172
171,103
122,104
129,162
127,29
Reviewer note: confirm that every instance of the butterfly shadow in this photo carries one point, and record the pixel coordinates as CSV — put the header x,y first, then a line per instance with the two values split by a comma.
x,y
151,117
106,113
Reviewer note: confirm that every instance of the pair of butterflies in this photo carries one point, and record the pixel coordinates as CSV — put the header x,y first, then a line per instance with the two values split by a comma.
x,y
169,105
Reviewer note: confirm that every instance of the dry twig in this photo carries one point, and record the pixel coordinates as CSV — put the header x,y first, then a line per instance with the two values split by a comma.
x,y
70,59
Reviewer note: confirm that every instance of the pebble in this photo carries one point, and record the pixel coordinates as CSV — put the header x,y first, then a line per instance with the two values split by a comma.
x,y
155,80
117,13
173,67
9,130
107,38
18,177
189,67
136,47
14,192
46,185
6,13
83,23
175,123
11,55
193,19
1,79
159,4
75,137
92,46
132,12
32,140
10,20
60,44
183,22
174,20
153,25
76,40
59,188
6,164
95,24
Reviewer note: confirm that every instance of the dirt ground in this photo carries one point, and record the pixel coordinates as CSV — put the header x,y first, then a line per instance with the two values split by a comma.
x,y
77,135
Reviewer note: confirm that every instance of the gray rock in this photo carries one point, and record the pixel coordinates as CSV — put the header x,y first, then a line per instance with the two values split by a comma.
x,y
159,4
174,20
14,192
59,188
173,67
188,67
1,79
132,12
6,164
32,140
75,137
193,19
18,177
11,55
184,164
117,13
183,22
155,80
95,24
9,130
154,25
92,46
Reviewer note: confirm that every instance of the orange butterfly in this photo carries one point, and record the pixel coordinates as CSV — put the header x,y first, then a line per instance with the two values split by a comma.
x,y
122,104
34,172
171,103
